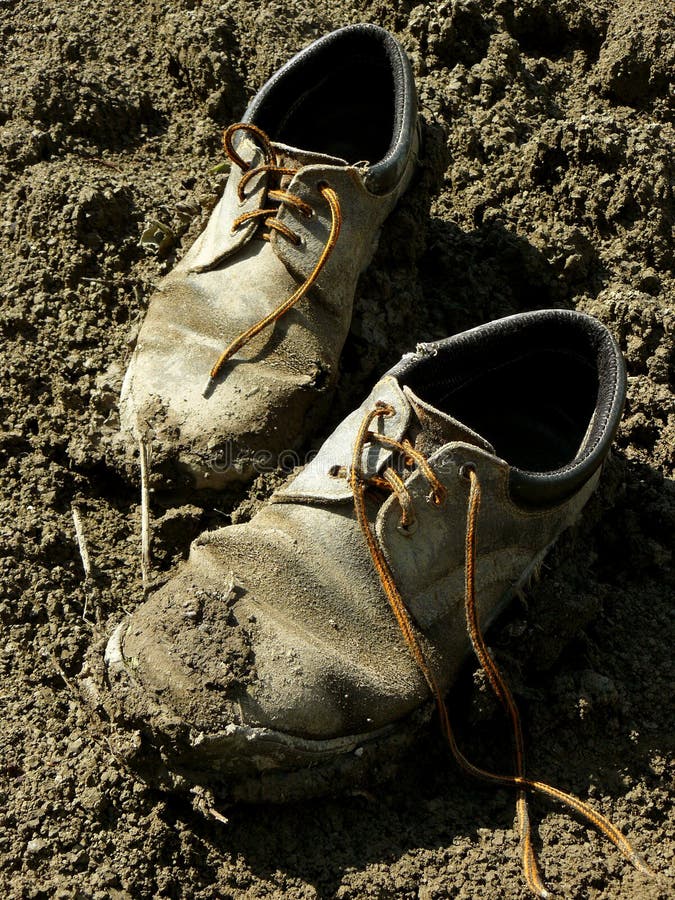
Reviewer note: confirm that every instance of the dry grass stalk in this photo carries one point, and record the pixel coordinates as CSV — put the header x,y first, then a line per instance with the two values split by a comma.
x,y
144,451
84,554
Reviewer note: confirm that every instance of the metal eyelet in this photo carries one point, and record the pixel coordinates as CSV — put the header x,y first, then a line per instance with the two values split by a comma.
x,y
407,530
465,469
433,500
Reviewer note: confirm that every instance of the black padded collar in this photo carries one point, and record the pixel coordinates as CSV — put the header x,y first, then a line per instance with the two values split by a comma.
x,y
566,332
328,53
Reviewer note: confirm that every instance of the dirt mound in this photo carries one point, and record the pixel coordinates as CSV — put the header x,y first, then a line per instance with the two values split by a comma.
x,y
546,180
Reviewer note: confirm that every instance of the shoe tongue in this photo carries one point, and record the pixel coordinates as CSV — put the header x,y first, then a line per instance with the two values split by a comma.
x,y
431,428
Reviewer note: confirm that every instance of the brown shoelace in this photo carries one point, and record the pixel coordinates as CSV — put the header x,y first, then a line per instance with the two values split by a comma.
x,y
269,218
390,480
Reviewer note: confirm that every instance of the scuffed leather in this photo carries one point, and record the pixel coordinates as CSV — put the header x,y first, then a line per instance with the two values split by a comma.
x,y
510,538
282,623
275,390
264,401
315,482
363,217
308,608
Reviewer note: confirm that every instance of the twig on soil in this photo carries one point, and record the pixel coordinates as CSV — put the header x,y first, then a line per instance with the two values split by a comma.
x,y
203,802
84,555
144,451
98,161
59,670
81,541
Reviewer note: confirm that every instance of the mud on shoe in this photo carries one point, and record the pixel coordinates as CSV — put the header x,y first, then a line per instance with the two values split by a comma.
x,y
239,349
293,652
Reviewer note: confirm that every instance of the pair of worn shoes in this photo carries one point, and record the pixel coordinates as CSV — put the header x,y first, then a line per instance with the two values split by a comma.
x,y
289,653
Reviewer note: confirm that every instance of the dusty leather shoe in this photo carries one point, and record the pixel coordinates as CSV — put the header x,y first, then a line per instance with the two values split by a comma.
x,y
276,664
240,345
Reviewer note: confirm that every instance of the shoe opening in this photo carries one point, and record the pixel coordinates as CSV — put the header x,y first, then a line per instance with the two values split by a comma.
x,y
342,96
545,389
535,409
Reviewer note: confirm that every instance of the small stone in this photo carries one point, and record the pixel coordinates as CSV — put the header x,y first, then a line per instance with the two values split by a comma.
x,y
599,689
575,266
35,846
91,799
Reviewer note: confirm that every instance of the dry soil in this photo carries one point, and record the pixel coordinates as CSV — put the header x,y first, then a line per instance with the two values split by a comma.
x,y
546,180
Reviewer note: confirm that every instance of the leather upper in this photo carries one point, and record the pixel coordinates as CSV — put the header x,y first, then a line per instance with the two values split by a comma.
x,y
322,653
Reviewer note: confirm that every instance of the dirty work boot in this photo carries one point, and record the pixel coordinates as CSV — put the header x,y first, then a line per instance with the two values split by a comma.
x,y
275,647
240,345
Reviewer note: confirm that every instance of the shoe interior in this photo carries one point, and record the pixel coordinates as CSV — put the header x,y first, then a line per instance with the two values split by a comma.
x,y
534,410
340,101
535,407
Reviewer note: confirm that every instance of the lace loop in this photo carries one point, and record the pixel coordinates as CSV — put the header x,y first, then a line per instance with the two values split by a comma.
x,y
263,142
359,483
268,216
